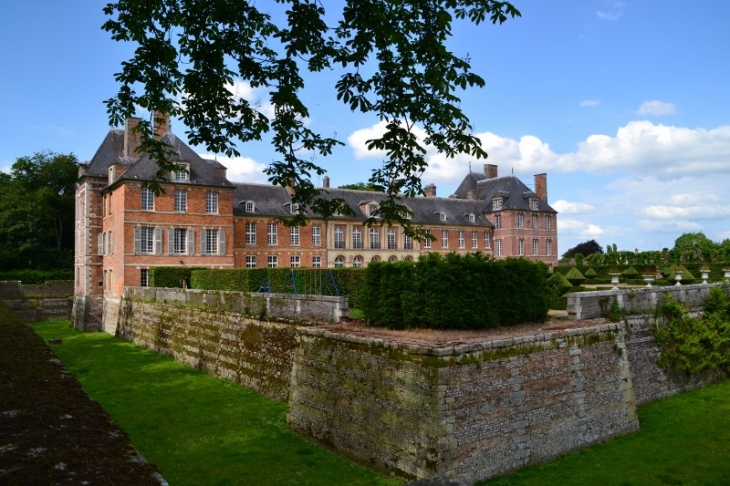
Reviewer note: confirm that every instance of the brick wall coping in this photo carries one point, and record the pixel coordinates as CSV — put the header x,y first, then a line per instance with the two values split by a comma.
x,y
447,350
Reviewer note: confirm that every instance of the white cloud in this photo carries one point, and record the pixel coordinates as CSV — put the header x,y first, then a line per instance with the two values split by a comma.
x,y
241,169
589,103
608,15
656,108
700,211
565,207
578,228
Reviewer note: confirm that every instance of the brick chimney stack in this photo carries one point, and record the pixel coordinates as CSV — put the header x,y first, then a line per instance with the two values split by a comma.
x,y
161,123
430,190
490,170
541,186
132,137
326,182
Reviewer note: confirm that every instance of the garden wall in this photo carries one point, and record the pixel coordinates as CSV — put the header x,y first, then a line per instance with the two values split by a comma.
x,y
592,305
473,411
50,301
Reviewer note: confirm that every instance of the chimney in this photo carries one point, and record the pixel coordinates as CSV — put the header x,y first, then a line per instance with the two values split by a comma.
x,y
161,122
490,170
326,182
541,186
430,190
132,137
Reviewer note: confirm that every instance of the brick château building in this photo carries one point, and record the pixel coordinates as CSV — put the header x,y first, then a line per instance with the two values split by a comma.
x,y
203,219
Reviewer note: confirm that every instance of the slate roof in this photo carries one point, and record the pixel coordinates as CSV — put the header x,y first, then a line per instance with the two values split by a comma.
x,y
204,172
274,201
514,193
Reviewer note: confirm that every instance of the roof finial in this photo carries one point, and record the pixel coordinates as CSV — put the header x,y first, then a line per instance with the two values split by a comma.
x,y
470,166
513,171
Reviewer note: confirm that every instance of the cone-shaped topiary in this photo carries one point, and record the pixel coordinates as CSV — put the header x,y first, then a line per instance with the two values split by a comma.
x,y
590,273
630,273
559,283
574,276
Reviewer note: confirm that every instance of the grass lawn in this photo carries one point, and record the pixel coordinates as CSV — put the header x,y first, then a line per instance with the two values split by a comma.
x,y
196,428
202,430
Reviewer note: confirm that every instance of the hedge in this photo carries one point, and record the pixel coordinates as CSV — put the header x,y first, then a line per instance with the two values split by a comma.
x,y
36,276
170,277
455,292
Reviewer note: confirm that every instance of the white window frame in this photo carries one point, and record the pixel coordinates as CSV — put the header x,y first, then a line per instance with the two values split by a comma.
x,y
442,216
391,240
250,261
211,202
487,242
147,240
475,239
357,238
407,242
339,240
535,222
533,204
294,235
272,234
357,262
427,241
520,220
497,204
374,239
181,200
498,250
249,206
444,238
462,239
295,261
272,261
316,235
250,233
498,221
535,246
339,262
148,199
549,247
521,247
180,241
548,222
316,261
472,218
182,173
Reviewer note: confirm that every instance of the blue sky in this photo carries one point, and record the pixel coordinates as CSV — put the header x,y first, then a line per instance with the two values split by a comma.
x,y
625,105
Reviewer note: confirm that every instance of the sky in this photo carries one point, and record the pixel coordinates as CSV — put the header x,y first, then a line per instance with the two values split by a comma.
x,y
624,104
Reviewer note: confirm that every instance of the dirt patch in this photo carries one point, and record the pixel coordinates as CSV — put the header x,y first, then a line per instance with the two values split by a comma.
x,y
51,432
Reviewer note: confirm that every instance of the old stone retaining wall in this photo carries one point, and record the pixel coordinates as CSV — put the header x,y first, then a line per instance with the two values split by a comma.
x,y
50,301
472,411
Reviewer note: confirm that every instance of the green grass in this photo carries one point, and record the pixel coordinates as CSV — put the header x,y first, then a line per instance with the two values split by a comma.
x,y
202,430
196,428
683,440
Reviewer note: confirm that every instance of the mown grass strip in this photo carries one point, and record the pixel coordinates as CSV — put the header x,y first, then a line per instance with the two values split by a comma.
x,y
196,428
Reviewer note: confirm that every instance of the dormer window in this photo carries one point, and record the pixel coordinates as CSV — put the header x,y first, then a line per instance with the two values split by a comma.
x,y
373,210
295,208
442,216
533,204
472,218
182,173
406,214
249,206
497,204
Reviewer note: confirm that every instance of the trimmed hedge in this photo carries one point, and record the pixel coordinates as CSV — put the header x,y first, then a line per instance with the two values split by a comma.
x,y
170,277
455,292
37,276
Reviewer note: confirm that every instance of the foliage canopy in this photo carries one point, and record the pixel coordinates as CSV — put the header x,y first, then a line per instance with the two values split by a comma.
x,y
393,59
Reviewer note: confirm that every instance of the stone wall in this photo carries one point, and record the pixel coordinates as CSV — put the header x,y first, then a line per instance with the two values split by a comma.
x,y
50,301
473,411
252,353
592,305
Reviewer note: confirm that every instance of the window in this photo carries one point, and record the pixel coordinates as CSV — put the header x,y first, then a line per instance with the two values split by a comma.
x,y
393,259
146,240
357,262
472,218
499,247
534,221
213,242
249,206
339,237
376,258
373,210
533,204
444,238
357,238
250,233
520,220
272,261
181,200
548,247
498,221
250,261
316,261
272,234
294,261
391,239
407,242
148,199
295,208
534,246
339,262
211,202
497,204
294,235
548,221
374,239
474,239
442,216
316,235
427,241
144,280
520,247
487,243
179,240
462,242
182,174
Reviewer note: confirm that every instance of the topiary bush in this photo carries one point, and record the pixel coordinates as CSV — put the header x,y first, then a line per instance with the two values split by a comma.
x,y
559,286
575,277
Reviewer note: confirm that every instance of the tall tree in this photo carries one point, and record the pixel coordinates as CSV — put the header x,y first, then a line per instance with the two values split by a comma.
x,y
394,63
37,212
589,247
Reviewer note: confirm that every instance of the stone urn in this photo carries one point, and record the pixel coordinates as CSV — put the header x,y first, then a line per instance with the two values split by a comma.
x,y
648,278
705,274
727,273
614,280
678,277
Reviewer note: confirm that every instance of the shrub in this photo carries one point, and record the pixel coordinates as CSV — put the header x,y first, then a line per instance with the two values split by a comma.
x,y
630,273
559,286
575,277
170,277
37,276
590,273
